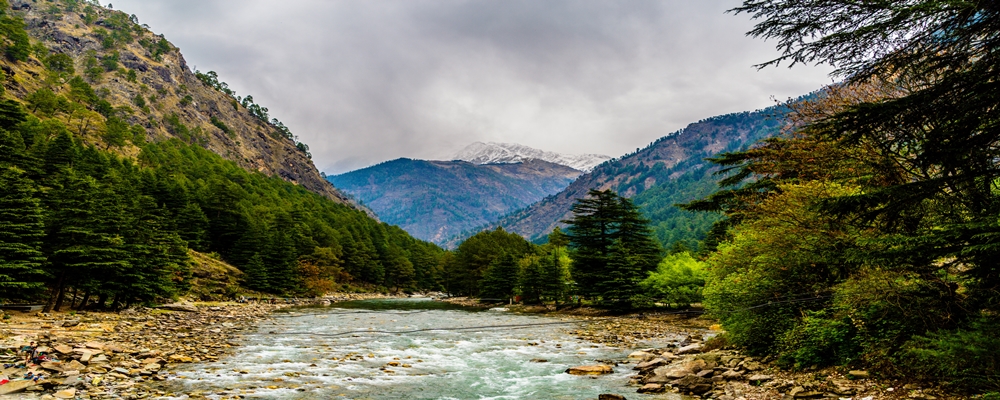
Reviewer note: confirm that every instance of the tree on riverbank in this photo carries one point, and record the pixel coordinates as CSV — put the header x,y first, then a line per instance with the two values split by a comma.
x,y
870,229
613,248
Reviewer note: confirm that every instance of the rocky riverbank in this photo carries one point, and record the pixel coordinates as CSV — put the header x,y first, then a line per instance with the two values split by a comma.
x,y
97,355
671,355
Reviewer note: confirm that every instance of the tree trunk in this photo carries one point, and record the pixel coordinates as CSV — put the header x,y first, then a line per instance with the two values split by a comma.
x,y
102,301
58,289
60,297
83,302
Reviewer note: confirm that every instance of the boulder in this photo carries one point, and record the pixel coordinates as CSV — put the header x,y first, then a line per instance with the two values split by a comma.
x,y
689,349
651,388
732,375
69,323
608,396
15,387
53,366
757,379
800,392
641,355
675,371
94,345
73,365
693,384
63,349
651,364
590,370
176,358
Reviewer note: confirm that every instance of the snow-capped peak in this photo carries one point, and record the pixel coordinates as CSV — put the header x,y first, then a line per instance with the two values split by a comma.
x,y
506,153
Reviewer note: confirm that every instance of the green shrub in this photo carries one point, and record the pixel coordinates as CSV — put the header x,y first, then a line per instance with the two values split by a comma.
x,y
969,358
819,340
678,279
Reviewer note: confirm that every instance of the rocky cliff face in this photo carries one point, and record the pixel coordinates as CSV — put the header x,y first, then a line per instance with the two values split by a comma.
x,y
148,81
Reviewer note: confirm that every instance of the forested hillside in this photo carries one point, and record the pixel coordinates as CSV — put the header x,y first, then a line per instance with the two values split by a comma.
x,y
669,171
112,168
435,200
140,78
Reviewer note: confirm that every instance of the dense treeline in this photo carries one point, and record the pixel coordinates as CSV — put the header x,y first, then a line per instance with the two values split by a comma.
x,y
83,225
88,221
608,257
869,231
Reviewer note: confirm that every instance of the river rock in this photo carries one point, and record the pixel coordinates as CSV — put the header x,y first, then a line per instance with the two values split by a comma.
x,y
651,388
179,307
63,349
858,374
693,384
69,323
800,392
641,355
732,375
15,387
651,364
590,370
52,366
675,371
65,394
689,349
757,379
73,365
608,396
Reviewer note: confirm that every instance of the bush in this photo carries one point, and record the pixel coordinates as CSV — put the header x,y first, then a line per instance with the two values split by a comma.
x,y
969,357
819,340
678,279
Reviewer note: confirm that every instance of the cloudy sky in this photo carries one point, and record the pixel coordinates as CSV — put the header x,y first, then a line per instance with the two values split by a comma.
x,y
367,81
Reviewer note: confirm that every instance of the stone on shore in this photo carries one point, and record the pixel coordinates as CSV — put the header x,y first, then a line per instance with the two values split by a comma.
x,y
759,378
689,349
651,388
15,387
651,364
65,394
590,370
678,370
179,307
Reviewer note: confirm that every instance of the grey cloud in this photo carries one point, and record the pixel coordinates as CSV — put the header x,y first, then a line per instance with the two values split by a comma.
x,y
366,81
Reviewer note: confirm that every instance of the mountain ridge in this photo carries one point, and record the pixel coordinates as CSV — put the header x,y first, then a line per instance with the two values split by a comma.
x,y
131,66
435,200
499,153
661,164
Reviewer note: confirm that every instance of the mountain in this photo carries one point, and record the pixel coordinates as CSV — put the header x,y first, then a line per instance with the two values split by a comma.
x,y
502,153
149,83
670,170
435,200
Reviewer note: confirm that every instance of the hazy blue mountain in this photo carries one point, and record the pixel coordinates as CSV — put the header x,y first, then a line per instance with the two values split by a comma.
x,y
436,200
670,170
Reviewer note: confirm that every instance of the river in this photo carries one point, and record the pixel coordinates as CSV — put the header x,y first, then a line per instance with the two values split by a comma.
x,y
408,349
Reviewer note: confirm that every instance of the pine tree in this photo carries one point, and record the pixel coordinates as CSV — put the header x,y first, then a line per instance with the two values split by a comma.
x,y
84,251
500,278
255,274
531,280
555,275
613,247
21,234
